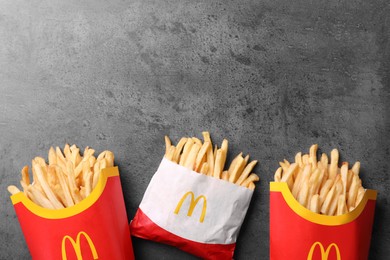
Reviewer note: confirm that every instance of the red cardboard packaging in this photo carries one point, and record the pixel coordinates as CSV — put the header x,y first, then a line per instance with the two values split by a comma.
x,y
298,233
95,228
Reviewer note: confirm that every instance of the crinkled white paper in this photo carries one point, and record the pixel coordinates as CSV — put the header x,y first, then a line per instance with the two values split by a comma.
x,y
227,204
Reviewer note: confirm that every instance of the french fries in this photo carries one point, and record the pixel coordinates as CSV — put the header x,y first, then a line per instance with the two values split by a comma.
x,y
321,185
67,179
199,156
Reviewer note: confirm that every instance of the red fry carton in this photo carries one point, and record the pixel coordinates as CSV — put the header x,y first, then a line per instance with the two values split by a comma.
x,y
95,228
199,214
298,233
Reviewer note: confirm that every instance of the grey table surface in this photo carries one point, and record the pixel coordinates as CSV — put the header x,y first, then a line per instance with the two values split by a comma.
x,y
273,77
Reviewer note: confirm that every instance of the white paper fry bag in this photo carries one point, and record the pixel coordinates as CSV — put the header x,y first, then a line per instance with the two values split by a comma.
x,y
199,214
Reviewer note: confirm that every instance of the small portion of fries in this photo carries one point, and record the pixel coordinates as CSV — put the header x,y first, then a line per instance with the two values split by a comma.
x,y
320,186
200,157
66,180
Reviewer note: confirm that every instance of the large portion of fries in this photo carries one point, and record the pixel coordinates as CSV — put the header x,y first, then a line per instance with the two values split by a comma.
x,y
200,157
320,186
66,180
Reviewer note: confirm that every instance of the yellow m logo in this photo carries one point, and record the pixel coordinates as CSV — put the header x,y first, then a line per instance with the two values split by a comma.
x,y
193,203
76,246
324,253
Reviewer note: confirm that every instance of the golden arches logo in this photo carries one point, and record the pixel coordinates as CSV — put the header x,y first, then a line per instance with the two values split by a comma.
x,y
77,247
193,203
324,253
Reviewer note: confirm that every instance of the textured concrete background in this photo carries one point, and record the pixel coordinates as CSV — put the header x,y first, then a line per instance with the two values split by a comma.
x,y
271,76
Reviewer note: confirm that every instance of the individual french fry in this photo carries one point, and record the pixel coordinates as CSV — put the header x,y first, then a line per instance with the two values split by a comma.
x,y
284,166
51,176
40,161
201,155
334,160
215,151
350,175
197,141
360,196
110,159
353,192
67,152
92,161
224,146
52,156
289,173
178,149
190,160
238,167
313,155
341,206
210,154
74,191
204,169
324,160
246,159
206,136
167,145
86,151
325,208
303,194
251,186
85,169
286,162
170,153
356,168
224,150
88,183
60,158
233,163
60,155
101,155
24,186
314,183
225,176
290,181
96,172
59,193
75,154
37,184
315,203
13,189
245,173
252,178
305,175
218,167
82,191
305,159
186,151
344,176
325,189
323,166
103,164
298,159
338,191
278,175
25,176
